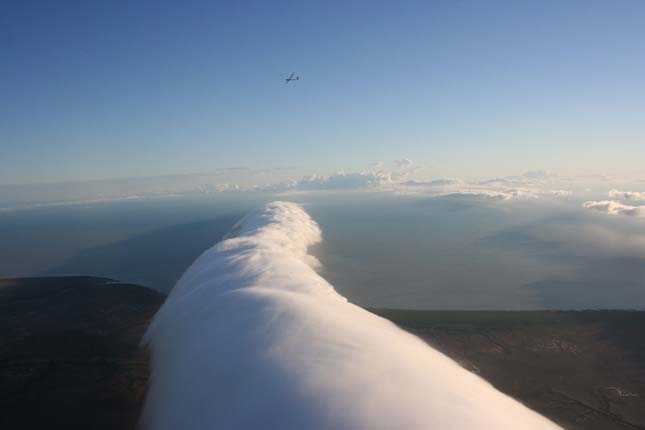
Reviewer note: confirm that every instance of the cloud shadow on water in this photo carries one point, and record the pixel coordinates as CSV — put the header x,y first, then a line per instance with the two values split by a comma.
x,y
156,259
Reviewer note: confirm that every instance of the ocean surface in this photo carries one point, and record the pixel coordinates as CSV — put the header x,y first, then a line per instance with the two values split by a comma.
x,y
379,250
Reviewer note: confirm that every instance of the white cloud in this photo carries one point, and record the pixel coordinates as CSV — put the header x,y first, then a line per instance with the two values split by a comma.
x,y
627,195
489,190
506,193
560,193
404,163
507,181
477,195
531,185
614,207
341,180
252,337
433,183
368,180
337,182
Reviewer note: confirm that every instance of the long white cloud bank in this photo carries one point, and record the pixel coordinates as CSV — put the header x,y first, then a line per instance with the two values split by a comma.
x,y
613,207
252,337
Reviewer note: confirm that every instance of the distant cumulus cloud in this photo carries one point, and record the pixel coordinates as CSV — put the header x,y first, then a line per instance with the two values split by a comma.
x,y
531,178
398,180
530,185
497,189
560,193
614,207
403,163
507,181
477,195
403,169
627,195
432,183
506,194
341,181
375,179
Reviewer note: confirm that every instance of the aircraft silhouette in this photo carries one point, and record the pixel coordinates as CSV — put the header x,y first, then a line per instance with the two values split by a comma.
x,y
293,77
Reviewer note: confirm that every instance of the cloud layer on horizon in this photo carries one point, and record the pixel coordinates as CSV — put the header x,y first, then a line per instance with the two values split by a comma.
x,y
401,177
613,207
531,185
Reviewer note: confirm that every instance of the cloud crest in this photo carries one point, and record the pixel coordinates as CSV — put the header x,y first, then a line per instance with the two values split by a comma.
x,y
252,337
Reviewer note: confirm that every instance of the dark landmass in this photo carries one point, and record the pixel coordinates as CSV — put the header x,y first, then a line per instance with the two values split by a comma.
x,y
584,369
70,356
69,352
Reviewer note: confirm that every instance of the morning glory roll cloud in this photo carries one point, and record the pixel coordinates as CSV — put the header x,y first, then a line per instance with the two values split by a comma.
x,y
253,337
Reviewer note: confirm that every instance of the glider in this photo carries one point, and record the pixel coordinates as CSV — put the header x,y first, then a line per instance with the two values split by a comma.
x,y
293,77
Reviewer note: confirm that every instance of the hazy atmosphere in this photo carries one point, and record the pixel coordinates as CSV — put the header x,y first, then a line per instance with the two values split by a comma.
x,y
489,248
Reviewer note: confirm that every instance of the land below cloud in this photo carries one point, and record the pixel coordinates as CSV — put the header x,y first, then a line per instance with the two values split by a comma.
x,y
70,356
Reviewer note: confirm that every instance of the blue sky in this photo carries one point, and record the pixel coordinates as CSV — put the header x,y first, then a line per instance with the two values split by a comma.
x,y
116,89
